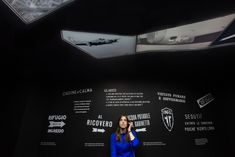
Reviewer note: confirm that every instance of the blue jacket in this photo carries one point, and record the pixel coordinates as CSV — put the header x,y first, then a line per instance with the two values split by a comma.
x,y
122,148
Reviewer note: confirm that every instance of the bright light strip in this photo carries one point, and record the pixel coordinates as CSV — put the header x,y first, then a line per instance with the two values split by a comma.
x,y
229,37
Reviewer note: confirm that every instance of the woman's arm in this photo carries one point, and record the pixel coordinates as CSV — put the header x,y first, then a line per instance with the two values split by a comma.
x,y
134,140
112,146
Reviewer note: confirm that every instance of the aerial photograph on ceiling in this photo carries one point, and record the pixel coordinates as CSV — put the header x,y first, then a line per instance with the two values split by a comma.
x,y
30,10
100,45
193,36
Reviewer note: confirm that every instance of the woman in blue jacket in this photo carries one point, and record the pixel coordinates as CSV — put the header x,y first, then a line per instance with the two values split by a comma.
x,y
124,141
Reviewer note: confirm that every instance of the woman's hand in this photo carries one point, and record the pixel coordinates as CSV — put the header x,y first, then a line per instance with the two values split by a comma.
x,y
130,126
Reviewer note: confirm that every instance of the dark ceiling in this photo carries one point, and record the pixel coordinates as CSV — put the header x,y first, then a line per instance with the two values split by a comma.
x,y
35,52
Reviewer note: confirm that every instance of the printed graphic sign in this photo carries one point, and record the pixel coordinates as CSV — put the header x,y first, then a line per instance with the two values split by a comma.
x,y
168,118
203,101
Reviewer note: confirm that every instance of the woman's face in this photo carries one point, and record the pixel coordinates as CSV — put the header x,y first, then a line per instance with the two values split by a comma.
x,y
123,122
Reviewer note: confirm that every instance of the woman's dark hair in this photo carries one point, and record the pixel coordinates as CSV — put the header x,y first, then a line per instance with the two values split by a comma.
x,y
118,131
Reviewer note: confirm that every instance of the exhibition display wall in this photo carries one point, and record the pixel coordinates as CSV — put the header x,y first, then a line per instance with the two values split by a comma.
x,y
169,119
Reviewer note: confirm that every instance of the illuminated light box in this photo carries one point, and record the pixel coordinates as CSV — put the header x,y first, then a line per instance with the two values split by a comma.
x,y
101,45
193,36
30,10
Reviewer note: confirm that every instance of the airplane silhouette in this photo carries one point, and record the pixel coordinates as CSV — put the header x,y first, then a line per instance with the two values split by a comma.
x,y
99,41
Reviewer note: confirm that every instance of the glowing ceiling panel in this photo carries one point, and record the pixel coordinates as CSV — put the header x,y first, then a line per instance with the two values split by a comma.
x,y
193,36
101,45
31,10
210,33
